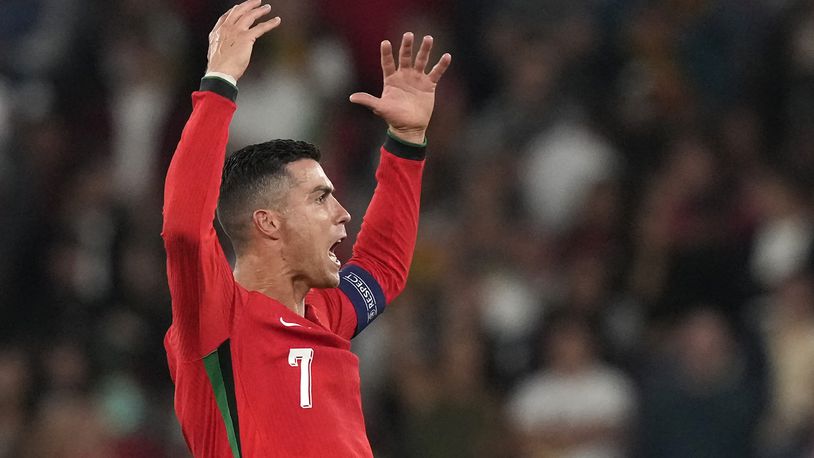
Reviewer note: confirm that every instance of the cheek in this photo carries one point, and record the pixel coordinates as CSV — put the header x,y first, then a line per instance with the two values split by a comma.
x,y
301,236
297,234
306,227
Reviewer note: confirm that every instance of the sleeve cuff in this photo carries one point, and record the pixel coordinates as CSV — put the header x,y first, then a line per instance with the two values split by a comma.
x,y
231,79
220,86
404,149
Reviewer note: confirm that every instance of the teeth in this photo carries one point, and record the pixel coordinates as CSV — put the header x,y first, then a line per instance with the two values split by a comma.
x,y
334,258
331,253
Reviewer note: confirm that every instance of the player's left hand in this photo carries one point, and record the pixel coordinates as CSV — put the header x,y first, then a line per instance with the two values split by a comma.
x,y
408,95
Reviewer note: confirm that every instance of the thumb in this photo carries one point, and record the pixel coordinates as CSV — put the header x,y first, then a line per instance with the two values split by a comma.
x,y
363,98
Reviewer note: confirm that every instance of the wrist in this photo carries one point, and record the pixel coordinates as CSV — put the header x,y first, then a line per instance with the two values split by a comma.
x,y
224,76
404,149
416,137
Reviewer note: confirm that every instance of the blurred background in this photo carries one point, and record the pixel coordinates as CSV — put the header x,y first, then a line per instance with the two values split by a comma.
x,y
616,246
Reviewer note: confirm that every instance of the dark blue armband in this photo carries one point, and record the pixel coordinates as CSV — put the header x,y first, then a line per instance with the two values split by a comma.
x,y
364,293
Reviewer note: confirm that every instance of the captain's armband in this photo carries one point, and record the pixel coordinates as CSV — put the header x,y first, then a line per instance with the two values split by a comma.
x,y
364,293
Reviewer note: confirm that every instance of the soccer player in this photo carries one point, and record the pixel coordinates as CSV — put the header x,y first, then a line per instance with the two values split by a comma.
x,y
260,357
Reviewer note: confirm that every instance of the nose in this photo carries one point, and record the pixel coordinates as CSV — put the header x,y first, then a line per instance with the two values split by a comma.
x,y
343,215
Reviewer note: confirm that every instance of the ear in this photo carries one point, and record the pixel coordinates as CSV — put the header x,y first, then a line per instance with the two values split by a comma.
x,y
268,223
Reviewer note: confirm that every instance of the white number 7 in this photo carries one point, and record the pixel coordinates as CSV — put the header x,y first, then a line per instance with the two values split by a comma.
x,y
302,357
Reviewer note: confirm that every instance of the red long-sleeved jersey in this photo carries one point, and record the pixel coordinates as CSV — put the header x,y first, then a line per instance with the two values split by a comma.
x,y
252,378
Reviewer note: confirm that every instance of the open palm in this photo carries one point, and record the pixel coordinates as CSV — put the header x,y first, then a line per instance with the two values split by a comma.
x,y
408,94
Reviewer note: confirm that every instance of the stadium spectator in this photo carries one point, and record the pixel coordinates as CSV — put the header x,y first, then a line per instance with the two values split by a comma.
x,y
576,406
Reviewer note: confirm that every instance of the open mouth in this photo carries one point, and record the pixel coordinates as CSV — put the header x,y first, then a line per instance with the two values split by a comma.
x,y
331,253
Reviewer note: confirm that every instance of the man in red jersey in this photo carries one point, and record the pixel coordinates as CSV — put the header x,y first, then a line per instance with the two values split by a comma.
x,y
260,357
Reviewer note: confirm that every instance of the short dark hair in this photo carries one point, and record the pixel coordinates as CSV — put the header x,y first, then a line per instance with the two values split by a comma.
x,y
249,176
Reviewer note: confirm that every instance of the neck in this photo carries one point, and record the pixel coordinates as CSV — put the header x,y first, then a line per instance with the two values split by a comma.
x,y
273,279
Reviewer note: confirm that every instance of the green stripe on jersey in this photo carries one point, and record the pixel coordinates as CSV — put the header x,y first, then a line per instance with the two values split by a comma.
x,y
213,369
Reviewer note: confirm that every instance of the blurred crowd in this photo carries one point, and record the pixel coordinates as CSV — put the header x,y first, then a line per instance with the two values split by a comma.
x,y
616,250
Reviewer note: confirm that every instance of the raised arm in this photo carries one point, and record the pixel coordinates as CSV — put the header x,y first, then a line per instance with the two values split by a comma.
x,y
408,92
200,279
384,247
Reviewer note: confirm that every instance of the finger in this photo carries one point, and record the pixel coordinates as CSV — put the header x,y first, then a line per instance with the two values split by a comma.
x,y
406,50
423,55
253,15
239,10
228,19
388,64
221,19
438,71
260,29
365,99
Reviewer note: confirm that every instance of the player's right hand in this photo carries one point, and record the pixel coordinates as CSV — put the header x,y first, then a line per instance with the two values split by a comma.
x,y
232,39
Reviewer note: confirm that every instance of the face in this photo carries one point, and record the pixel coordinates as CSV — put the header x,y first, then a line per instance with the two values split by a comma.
x,y
313,224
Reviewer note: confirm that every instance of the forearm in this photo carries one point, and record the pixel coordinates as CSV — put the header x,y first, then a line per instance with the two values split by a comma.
x,y
386,242
193,179
385,245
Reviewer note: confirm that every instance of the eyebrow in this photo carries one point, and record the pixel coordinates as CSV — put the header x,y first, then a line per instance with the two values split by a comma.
x,y
323,189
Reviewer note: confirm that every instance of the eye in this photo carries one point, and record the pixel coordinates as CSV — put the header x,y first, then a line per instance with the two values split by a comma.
x,y
322,197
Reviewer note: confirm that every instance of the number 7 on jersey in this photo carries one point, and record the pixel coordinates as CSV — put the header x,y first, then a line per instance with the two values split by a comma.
x,y
302,357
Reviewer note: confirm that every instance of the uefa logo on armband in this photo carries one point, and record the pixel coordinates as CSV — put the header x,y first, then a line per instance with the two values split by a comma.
x,y
364,292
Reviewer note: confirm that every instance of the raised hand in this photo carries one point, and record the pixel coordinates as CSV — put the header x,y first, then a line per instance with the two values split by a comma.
x,y
232,39
408,94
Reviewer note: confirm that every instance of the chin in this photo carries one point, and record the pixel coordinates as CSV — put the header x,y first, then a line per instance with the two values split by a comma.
x,y
334,280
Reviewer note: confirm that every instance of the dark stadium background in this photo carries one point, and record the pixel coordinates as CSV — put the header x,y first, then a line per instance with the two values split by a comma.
x,y
615,253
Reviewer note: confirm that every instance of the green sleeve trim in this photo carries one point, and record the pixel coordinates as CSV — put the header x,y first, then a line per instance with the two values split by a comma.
x,y
213,370
405,142
403,149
